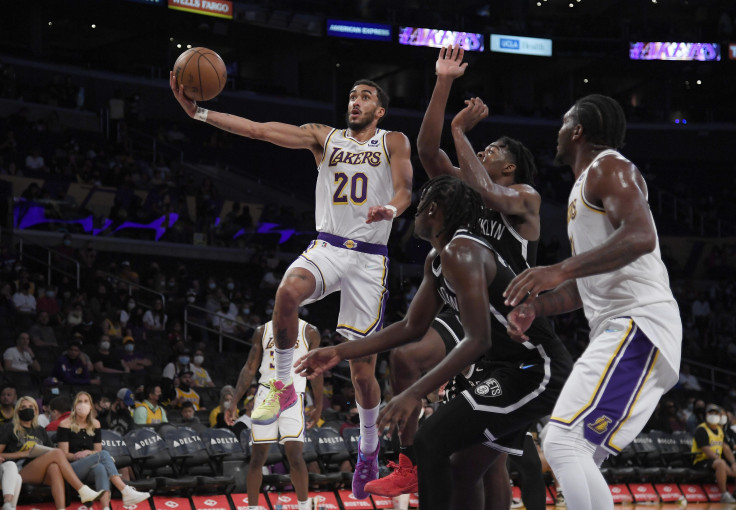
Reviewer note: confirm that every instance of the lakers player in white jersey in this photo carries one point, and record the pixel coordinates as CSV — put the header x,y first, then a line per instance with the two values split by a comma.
x,y
290,427
617,276
363,183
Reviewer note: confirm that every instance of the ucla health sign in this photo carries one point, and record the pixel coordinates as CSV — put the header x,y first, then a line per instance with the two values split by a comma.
x,y
521,45
358,30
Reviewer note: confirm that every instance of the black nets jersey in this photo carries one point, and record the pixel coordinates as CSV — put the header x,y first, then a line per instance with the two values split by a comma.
x,y
519,253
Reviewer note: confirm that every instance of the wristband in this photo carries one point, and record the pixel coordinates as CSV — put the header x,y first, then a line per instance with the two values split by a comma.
x,y
392,209
201,114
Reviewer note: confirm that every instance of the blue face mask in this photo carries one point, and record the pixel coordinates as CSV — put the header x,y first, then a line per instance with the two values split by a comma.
x,y
129,347
183,360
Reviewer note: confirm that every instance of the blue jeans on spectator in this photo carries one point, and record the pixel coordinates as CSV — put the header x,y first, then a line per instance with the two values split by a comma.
x,y
101,465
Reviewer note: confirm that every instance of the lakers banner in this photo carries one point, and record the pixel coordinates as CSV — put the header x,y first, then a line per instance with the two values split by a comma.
x,y
218,8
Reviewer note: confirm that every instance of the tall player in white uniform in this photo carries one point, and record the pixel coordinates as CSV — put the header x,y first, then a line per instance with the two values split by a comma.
x,y
289,428
616,274
364,181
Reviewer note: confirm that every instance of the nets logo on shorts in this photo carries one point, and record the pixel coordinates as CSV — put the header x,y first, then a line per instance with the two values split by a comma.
x,y
489,388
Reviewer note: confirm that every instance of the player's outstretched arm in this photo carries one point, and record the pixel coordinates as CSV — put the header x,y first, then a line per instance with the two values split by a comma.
x,y
308,136
516,200
449,66
250,367
418,319
401,174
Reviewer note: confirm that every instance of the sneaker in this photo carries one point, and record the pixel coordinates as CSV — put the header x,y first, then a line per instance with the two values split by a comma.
x,y
87,495
560,500
279,399
8,506
366,470
516,503
726,497
133,497
403,480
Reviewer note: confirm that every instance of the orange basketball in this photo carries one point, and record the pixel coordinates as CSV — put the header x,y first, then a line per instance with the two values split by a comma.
x,y
202,72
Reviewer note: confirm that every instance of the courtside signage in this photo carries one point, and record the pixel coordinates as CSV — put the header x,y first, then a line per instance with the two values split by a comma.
x,y
436,38
706,52
521,45
217,8
358,30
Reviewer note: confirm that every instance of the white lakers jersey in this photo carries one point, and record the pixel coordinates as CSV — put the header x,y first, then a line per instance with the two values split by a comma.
x,y
268,366
353,177
639,290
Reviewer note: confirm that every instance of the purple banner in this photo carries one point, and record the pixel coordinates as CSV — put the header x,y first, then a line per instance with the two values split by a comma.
x,y
674,51
435,38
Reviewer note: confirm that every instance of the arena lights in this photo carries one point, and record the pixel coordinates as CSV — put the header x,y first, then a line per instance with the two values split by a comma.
x,y
674,51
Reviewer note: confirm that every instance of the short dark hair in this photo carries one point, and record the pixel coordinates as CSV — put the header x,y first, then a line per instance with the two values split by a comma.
x,y
61,404
461,204
523,159
603,120
186,404
383,98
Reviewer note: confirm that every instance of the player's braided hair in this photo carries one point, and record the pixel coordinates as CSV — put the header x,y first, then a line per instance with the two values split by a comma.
x,y
461,204
603,120
523,159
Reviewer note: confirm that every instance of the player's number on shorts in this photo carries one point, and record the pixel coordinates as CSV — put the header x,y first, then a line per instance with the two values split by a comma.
x,y
358,183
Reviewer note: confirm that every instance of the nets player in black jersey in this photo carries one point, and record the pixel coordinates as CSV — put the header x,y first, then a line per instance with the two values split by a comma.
x,y
507,386
503,174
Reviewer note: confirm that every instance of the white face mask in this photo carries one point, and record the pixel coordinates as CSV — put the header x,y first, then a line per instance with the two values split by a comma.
x,y
713,419
198,360
226,404
724,419
83,409
104,345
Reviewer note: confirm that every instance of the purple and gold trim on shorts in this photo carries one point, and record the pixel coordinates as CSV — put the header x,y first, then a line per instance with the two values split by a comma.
x,y
377,324
352,244
618,389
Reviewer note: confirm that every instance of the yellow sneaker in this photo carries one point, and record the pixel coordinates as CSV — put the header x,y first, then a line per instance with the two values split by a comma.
x,y
279,399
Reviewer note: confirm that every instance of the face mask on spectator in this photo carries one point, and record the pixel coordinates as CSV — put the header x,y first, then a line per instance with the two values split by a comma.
x,y
212,286
226,404
54,391
713,419
82,409
104,345
129,347
198,360
183,360
26,414
724,420
230,286
50,293
131,305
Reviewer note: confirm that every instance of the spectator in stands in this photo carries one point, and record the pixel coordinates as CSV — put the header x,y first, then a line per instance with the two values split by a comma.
x,y
136,362
80,438
224,319
8,397
41,333
671,418
200,378
696,417
49,304
688,381
35,161
11,484
75,317
154,322
352,420
100,304
149,412
59,409
21,358
71,368
127,273
182,362
117,416
23,436
711,453
51,387
185,392
189,418
106,360
112,325
217,415
23,300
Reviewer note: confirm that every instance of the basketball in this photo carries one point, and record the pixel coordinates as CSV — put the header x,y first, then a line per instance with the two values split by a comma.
x,y
202,72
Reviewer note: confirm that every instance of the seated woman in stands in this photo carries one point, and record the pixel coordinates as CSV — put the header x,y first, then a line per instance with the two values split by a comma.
x,y
23,441
80,438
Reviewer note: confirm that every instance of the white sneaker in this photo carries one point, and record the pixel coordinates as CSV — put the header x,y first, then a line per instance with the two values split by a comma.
x,y
133,497
726,497
8,506
87,495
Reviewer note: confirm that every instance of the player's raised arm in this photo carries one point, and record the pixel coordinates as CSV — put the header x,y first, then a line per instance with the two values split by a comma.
x,y
449,66
514,200
401,174
308,136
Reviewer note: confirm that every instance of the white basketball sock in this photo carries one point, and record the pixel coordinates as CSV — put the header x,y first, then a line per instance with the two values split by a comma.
x,y
283,359
368,429
571,457
305,505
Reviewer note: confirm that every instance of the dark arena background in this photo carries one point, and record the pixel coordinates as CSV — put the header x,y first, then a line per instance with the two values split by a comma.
x,y
114,200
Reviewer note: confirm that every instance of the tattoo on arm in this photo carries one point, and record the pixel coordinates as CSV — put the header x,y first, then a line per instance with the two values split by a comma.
x,y
364,359
561,300
313,126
